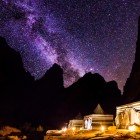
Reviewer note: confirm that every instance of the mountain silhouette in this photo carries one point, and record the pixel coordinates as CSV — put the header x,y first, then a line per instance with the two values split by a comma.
x,y
46,101
14,81
132,86
11,71
84,95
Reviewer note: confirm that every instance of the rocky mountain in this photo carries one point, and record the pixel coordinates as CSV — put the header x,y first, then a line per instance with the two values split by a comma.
x,y
11,70
14,81
89,91
48,92
22,99
46,101
132,86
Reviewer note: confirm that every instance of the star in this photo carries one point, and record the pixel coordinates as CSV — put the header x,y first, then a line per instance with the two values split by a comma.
x,y
81,36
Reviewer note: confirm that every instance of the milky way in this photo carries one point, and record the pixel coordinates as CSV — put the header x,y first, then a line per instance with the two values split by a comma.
x,y
80,35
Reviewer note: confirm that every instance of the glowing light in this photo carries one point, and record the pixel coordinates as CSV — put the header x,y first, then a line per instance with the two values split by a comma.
x,y
64,129
59,131
132,128
103,128
73,128
81,128
91,69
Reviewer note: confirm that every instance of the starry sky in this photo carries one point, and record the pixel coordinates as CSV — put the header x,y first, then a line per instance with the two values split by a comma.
x,y
80,35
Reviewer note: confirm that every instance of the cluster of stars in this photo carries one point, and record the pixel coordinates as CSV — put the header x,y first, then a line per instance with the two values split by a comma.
x,y
79,35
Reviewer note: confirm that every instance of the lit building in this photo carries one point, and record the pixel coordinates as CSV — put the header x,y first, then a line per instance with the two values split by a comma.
x,y
77,124
97,119
127,115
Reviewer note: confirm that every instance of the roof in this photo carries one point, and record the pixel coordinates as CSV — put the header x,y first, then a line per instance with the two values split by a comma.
x,y
100,116
75,120
130,105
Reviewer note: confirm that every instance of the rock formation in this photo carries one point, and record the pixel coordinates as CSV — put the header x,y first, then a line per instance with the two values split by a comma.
x,y
89,91
11,70
46,101
14,80
132,86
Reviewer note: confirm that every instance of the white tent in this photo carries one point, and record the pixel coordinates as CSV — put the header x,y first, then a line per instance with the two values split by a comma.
x,y
97,119
128,114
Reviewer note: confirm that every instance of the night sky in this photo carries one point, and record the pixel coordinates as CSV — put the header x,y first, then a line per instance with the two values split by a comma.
x,y
80,35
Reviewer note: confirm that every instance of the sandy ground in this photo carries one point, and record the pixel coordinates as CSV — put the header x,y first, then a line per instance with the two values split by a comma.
x,y
118,134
